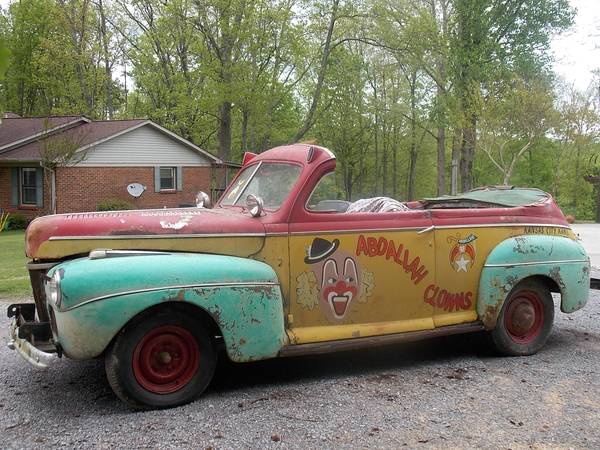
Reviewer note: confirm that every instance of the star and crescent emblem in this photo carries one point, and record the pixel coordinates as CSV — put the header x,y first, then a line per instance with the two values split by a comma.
x,y
462,253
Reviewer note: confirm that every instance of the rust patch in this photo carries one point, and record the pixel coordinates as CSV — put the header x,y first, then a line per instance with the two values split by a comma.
x,y
201,292
523,247
490,315
511,281
216,313
519,246
181,295
556,276
260,289
242,341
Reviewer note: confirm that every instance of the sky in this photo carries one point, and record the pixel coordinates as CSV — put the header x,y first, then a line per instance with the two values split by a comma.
x,y
576,52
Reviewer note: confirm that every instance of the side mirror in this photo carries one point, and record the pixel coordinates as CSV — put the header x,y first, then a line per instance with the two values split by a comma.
x,y
203,200
255,205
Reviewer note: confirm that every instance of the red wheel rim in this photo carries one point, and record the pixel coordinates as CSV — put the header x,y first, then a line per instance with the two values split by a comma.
x,y
166,359
524,317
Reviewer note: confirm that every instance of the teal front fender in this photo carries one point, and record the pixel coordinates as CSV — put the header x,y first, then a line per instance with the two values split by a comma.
x,y
100,297
560,259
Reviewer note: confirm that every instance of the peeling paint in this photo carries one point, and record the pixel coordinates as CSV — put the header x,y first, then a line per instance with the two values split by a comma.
x,y
522,257
249,317
183,222
556,276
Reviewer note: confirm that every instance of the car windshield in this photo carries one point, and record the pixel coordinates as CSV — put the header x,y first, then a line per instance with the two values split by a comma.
x,y
270,181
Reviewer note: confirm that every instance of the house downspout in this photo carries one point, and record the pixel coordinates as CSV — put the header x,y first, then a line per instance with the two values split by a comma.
x,y
53,191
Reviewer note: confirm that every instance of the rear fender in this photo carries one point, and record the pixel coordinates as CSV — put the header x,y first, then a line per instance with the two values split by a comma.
x,y
560,260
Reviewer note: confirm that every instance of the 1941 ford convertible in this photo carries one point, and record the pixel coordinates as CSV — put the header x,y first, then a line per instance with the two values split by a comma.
x,y
280,267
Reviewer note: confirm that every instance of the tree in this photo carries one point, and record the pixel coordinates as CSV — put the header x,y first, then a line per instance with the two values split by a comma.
x,y
489,39
579,131
62,149
514,121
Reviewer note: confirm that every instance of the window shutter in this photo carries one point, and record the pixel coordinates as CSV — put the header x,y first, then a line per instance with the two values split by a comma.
x,y
39,187
157,179
14,186
179,178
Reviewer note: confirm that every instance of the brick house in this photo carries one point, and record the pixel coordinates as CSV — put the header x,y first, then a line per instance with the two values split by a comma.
x,y
106,156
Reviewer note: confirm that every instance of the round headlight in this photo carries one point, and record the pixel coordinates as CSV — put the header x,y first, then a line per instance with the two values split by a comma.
x,y
53,289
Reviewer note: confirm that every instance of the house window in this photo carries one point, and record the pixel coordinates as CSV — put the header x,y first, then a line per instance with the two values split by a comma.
x,y
28,186
168,178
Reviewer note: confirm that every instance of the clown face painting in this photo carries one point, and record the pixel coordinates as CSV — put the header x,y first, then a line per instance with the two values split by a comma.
x,y
336,279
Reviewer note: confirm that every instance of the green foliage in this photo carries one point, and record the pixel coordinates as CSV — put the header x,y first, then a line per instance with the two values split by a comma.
x,y
397,89
17,221
55,59
114,204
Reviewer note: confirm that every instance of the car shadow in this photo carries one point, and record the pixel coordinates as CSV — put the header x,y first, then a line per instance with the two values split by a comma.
x,y
447,350
84,382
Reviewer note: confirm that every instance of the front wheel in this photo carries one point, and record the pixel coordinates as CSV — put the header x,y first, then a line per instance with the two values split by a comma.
x,y
160,360
525,321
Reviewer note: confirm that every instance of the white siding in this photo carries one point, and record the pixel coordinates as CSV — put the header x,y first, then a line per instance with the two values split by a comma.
x,y
144,146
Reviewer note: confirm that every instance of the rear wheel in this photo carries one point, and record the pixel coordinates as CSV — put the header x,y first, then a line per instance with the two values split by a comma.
x,y
525,321
160,360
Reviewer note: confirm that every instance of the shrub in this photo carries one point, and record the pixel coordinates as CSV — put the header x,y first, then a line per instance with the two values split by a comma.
x,y
17,222
114,204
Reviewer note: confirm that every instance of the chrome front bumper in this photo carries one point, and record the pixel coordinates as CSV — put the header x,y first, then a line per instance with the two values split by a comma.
x,y
40,356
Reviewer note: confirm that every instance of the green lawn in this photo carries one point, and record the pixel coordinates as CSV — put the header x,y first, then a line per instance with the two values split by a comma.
x,y
14,279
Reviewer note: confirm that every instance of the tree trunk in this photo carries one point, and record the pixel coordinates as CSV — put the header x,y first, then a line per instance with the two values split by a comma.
x,y
467,155
384,137
245,116
361,177
412,165
440,94
106,57
348,182
395,161
225,107
310,115
225,131
376,140
441,161
456,142
576,189
77,38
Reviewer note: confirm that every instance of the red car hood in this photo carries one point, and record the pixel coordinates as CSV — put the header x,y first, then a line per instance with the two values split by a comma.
x,y
128,226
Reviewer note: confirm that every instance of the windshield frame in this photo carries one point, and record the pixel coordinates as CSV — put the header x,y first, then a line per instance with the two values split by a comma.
x,y
246,184
257,167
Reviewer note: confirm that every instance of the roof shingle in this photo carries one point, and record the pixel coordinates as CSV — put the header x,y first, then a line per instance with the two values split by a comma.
x,y
16,129
82,135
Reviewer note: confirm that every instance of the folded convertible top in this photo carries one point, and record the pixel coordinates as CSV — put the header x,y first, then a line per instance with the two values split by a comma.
x,y
506,196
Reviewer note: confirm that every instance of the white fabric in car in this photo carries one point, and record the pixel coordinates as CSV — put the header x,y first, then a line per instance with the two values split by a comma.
x,y
377,204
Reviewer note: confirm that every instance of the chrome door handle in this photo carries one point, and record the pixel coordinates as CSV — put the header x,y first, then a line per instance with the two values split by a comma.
x,y
426,230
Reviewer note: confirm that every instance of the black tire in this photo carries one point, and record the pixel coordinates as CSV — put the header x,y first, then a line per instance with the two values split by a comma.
x,y
160,359
525,321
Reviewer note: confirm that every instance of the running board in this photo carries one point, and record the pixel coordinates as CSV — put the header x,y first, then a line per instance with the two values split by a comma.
x,y
315,348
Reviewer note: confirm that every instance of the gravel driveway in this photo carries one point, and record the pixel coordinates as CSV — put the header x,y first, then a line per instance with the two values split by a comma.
x,y
447,392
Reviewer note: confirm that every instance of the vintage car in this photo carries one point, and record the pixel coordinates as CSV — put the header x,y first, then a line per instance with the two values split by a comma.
x,y
280,267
